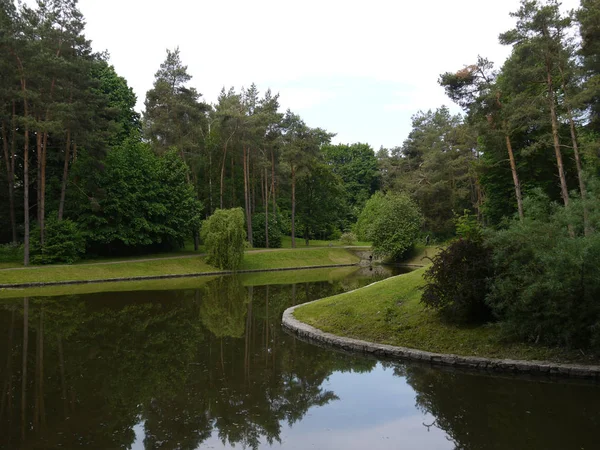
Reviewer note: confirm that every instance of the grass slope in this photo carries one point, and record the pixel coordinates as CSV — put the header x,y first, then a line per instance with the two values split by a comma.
x,y
299,257
390,312
258,260
286,242
249,279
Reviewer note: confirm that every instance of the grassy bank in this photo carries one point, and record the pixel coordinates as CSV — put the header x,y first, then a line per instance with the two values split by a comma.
x,y
298,257
390,312
250,279
421,255
286,242
257,260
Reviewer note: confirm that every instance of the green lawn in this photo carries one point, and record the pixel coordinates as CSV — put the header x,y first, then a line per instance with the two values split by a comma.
x,y
257,260
249,279
90,288
122,269
187,250
286,242
298,257
421,255
390,312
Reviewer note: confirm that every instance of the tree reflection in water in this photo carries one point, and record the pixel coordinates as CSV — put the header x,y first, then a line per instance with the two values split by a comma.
x,y
182,367
503,412
183,363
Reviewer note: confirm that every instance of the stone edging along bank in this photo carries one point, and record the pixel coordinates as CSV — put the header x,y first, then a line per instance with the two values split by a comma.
x,y
468,362
160,277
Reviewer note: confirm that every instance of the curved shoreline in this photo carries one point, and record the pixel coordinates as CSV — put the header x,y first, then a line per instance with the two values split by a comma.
x,y
159,277
547,368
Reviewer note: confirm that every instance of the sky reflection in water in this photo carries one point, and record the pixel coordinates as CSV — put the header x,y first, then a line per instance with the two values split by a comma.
x,y
210,367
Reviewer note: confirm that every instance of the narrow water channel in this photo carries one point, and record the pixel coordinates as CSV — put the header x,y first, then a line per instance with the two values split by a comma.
x,y
209,366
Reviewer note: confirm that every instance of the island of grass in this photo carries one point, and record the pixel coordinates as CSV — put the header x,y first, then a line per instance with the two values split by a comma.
x,y
177,266
389,312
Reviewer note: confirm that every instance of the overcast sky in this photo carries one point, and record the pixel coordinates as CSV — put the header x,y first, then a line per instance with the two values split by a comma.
x,y
359,69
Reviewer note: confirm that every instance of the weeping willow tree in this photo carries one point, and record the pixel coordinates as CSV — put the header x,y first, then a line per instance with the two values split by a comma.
x,y
224,237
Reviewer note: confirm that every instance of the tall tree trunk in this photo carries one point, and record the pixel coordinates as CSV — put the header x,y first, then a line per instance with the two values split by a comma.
x,y
293,207
38,179
559,161
266,209
232,182
13,151
513,165
252,186
210,183
223,172
273,181
63,190
42,218
23,82
515,175
582,188
26,197
10,177
246,196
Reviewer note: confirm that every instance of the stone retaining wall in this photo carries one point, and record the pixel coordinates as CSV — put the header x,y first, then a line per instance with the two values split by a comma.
x,y
310,333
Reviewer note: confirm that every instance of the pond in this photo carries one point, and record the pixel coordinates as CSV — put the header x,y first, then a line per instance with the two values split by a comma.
x,y
209,366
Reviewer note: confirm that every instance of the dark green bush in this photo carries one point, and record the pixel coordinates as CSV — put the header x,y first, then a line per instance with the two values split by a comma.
x,y
258,230
63,243
11,253
457,282
547,284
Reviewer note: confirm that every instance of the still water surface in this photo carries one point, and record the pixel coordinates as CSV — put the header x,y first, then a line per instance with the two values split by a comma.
x,y
210,367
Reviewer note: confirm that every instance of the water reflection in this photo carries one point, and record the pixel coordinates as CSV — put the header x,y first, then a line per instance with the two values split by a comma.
x,y
211,367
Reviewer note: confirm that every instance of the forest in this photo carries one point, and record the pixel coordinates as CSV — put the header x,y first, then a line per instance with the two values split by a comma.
x,y
85,175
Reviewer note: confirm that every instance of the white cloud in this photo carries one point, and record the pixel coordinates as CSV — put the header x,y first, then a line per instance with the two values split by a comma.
x,y
274,43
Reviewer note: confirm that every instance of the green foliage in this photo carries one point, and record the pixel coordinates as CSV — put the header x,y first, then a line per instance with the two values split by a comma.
x,y
348,238
224,236
356,165
63,243
547,283
120,100
142,201
468,227
457,282
258,231
321,210
437,166
11,253
223,308
392,222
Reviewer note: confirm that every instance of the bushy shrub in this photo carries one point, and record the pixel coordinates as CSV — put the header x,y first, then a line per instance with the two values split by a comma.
x,y
348,238
457,282
391,222
63,243
141,201
224,236
547,283
11,253
258,231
